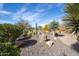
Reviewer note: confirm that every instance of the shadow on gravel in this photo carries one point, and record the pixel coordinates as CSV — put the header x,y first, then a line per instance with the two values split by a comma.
x,y
58,35
23,38
28,43
76,46
47,40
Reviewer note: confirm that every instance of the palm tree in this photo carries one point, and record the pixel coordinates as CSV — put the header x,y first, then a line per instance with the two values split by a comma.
x,y
72,17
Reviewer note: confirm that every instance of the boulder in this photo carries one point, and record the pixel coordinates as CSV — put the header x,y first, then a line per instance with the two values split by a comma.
x,y
50,43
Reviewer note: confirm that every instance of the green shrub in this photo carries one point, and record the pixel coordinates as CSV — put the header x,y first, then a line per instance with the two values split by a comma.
x,y
28,32
6,49
10,32
25,33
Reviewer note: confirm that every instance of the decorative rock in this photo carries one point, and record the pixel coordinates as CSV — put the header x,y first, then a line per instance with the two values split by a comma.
x,y
55,38
49,43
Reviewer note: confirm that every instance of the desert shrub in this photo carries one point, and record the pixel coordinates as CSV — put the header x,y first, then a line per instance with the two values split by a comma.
x,y
10,32
27,33
6,49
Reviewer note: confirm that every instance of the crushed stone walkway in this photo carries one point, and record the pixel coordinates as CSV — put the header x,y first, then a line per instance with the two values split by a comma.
x,y
41,49
68,39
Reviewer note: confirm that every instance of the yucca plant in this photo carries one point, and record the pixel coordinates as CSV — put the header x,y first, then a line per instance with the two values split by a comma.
x,y
72,18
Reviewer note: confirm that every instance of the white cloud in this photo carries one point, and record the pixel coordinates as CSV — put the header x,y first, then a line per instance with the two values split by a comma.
x,y
36,12
4,12
31,17
21,11
18,14
23,14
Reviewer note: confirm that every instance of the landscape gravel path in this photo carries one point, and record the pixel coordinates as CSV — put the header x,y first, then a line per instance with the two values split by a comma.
x,y
41,49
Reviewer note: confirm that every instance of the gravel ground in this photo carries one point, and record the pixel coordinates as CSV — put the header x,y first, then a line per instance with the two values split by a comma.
x,y
68,39
41,49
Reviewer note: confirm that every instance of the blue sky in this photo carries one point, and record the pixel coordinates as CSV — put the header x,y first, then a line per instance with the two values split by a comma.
x,y
40,13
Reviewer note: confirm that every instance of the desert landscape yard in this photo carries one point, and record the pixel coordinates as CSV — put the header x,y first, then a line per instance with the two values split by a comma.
x,y
39,29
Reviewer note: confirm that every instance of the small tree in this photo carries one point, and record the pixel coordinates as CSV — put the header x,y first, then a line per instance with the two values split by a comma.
x,y
53,25
23,24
